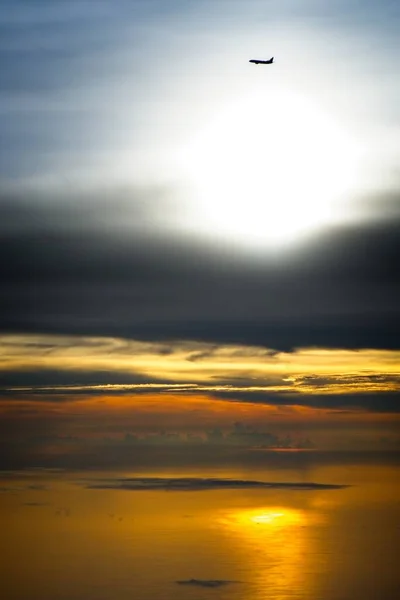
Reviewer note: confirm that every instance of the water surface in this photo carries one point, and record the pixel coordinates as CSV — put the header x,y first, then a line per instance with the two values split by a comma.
x,y
67,539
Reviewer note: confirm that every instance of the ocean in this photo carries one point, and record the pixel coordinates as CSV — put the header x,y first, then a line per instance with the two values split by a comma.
x,y
318,530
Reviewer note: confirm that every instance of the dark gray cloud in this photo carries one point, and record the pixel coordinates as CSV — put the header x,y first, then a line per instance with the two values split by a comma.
x,y
54,386
378,402
74,274
374,401
190,484
43,380
345,380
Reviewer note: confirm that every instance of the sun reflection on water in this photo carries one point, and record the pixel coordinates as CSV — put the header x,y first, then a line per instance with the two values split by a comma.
x,y
272,517
276,545
277,517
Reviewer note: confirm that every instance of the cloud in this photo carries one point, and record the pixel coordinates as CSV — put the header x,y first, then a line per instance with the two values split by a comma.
x,y
339,291
374,402
47,382
190,484
371,393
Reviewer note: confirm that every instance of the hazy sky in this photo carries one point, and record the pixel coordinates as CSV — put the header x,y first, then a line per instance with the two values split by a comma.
x,y
172,214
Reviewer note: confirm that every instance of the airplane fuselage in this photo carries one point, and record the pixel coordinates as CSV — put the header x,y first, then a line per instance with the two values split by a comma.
x,y
262,62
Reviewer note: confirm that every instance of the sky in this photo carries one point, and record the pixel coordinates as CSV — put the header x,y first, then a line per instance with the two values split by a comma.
x,y
190,240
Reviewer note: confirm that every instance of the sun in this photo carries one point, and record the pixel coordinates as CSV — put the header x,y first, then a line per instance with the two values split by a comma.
x,y
269,169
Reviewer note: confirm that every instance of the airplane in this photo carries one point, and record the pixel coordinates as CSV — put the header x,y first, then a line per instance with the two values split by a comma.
x,y
262,62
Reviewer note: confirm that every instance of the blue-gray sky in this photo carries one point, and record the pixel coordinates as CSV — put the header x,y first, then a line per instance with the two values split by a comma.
x,y
97,89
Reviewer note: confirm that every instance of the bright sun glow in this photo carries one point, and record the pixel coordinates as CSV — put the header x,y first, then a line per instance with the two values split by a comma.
x,y
267,517
277,517
269,169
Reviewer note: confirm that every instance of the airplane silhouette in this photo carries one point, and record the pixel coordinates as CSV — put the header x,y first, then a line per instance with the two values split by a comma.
x,y
262,62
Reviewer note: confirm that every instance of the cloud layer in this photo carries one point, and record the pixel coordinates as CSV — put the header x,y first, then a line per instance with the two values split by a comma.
x,y
192,484
66,369
338,291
